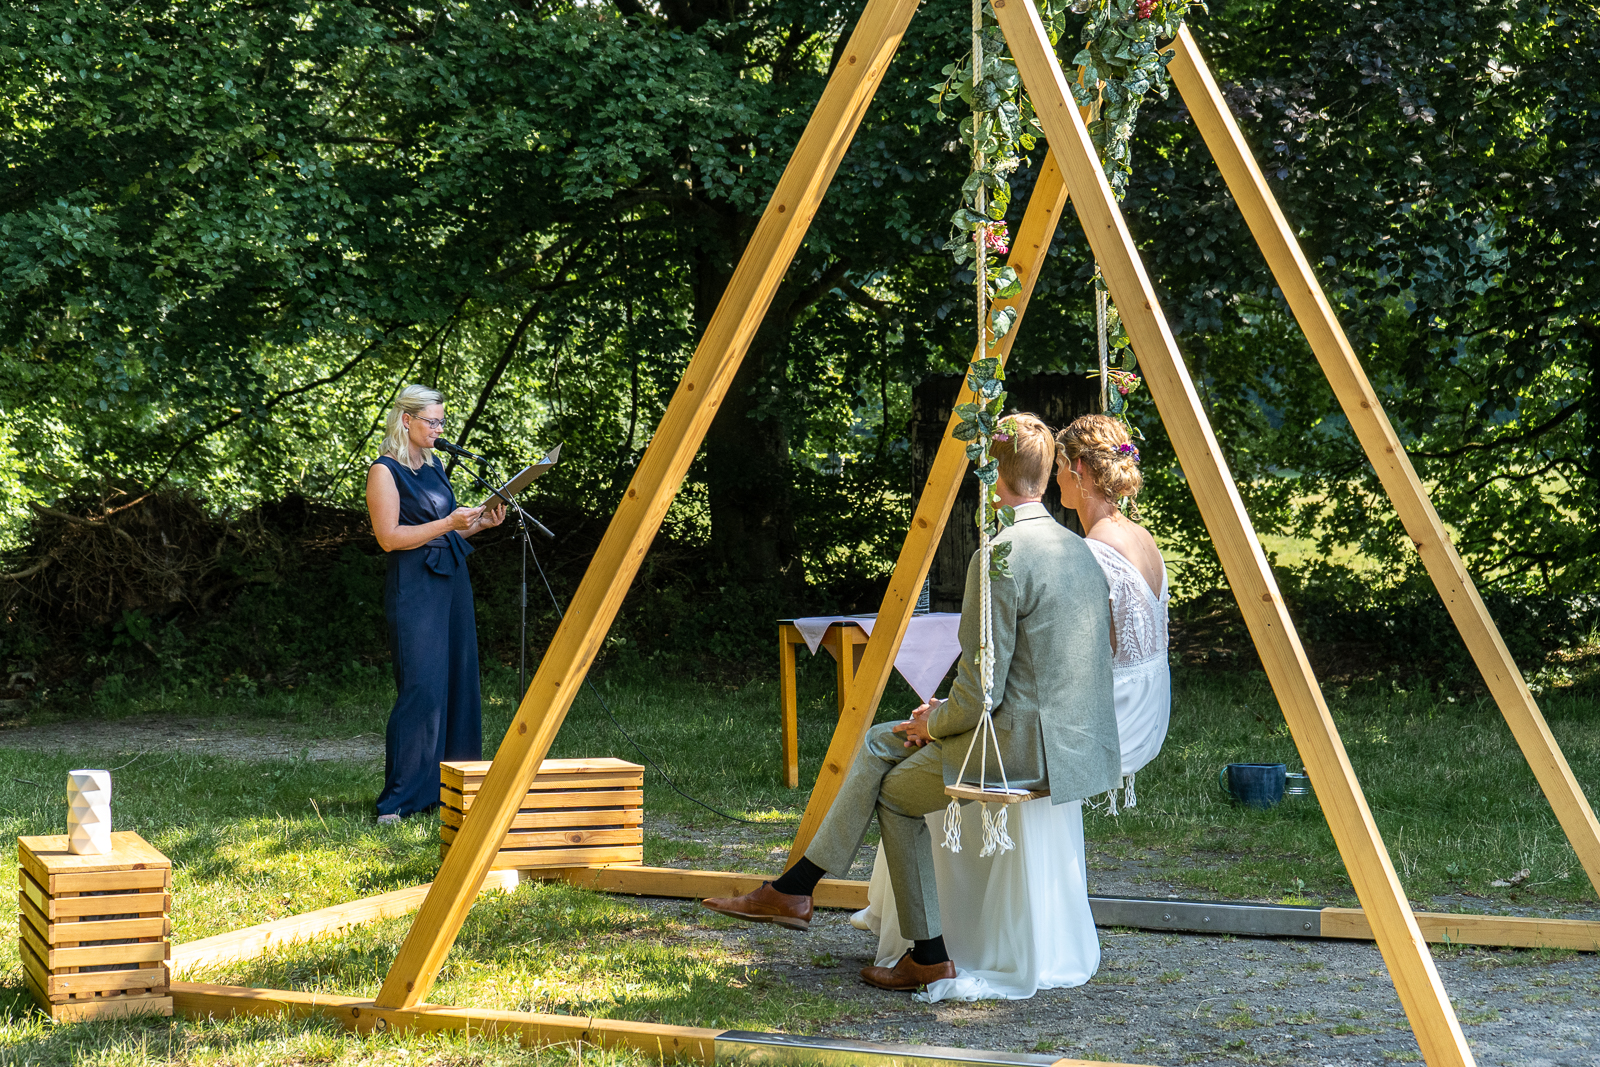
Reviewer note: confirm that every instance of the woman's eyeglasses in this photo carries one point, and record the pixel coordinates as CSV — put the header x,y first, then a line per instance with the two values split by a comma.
x,y
437,424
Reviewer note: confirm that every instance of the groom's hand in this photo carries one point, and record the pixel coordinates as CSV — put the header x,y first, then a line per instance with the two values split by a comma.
x,y
915,728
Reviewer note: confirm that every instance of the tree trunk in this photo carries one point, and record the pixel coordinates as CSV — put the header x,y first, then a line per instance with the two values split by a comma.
x,y
746,459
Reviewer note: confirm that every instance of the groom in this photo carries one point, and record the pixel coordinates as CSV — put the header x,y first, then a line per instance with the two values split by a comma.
x,y
1053,716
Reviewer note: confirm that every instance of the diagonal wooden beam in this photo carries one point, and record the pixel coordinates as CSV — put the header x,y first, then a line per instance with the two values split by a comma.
x,y
1387,455
1028,253
1373,875
661,471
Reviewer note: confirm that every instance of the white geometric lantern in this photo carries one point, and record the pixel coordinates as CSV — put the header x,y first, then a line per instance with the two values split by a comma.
x,y
89,813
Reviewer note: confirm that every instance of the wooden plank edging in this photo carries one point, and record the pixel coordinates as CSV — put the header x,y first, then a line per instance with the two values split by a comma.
x,y
1499,931
666,1042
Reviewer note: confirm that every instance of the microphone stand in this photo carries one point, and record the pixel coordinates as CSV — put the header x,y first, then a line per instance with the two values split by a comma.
x,y
524,520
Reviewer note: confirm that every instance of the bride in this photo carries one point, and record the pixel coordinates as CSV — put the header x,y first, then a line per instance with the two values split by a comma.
x,y
1098,468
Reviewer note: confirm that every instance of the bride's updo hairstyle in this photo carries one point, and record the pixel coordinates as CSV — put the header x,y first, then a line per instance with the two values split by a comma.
x,y
411,401
1026,456
1108,453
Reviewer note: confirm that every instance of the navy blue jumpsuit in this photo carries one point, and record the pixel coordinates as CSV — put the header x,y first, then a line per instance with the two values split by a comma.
x,y
433,640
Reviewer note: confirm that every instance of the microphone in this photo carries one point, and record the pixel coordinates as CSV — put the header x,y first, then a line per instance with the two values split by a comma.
x,y
456,450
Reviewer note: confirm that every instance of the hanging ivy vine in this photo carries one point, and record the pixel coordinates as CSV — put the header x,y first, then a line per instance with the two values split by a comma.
x,y
1123,52
1121,61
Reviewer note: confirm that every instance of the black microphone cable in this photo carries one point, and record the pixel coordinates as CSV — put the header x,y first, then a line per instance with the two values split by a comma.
x,y
560,614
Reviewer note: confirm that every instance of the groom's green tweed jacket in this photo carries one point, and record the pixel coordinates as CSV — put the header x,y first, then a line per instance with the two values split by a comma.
x,y
1053,707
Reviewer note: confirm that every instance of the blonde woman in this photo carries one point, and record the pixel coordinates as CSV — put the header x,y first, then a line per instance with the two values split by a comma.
x,y
427,600
1098,467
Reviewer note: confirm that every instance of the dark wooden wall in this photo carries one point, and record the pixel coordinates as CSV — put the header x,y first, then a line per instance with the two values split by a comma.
x,y
1055,398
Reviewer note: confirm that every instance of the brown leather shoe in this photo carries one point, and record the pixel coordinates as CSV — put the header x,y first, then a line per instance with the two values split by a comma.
x,y
765,904
908,975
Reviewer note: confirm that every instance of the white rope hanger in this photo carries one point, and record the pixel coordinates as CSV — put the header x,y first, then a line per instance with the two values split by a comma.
x,y
995,835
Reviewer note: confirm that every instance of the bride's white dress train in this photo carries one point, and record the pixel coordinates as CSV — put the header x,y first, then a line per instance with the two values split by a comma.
x,y
1020,922
1014,923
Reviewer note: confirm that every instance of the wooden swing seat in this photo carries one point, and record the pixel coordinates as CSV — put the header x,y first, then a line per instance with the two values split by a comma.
x,y
968,791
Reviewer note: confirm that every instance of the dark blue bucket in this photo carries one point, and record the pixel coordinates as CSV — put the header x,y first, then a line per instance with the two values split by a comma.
x,y
1260,785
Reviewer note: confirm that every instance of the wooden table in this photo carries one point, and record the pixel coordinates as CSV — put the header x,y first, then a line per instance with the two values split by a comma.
x,y
848,642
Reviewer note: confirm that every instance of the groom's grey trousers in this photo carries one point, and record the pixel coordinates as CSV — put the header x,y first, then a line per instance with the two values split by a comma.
x,y
901,785
1054,714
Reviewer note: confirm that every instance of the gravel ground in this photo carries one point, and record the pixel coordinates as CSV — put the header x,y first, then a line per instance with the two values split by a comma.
x,y
1173,999
1158,998
1178,999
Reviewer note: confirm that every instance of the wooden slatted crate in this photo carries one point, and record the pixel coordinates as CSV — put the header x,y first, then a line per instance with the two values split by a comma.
x,y
94,929
578,813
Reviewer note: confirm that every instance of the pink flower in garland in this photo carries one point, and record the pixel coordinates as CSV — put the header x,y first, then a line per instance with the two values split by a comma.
x,y
1125,381
997,238
1146,8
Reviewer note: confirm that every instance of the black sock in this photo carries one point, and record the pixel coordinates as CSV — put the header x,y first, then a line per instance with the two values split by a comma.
x,y
800,880
929,952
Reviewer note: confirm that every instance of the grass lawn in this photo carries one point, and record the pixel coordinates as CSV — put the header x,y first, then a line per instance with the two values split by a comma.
x,y
255,841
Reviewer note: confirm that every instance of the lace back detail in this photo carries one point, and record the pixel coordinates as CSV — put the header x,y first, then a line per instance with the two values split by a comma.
x,y
1139,616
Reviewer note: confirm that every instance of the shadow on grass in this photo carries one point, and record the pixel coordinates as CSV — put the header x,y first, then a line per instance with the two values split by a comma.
x,y
26,1037
549,947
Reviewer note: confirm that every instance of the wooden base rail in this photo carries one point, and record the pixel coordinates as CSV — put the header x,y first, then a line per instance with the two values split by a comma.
x,y
662,1042
1502,931
1499,931
667,1043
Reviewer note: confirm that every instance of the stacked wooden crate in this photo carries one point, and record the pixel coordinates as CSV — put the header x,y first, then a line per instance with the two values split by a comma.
x,y
577,813
94,928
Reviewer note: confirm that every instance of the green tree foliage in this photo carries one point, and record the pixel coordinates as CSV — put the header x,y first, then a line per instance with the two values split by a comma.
x,y
228,232
1442,163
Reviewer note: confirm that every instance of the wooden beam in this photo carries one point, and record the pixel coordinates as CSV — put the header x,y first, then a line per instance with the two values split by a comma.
x,y
788,706
1373,875
1498,931
253,941
1028,253
1384,450
665,1043
690,884
655,483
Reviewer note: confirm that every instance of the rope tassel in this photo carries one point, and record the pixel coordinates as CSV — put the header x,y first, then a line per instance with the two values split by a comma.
x,y
995,838
952,825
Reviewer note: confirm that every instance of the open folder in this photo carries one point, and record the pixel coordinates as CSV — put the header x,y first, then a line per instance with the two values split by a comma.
x,y
525,477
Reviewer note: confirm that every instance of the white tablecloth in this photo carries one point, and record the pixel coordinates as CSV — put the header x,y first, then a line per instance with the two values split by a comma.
x,y
930,645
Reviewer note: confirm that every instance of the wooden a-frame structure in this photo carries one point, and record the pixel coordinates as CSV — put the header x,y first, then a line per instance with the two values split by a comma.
x,y
1070,171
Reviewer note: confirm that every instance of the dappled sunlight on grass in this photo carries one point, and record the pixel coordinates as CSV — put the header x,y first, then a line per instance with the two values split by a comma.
x,y
267,1041
548,947
257,841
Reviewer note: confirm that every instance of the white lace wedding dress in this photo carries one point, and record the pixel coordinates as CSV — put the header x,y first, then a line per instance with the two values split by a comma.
x,y
1139,675
1034,929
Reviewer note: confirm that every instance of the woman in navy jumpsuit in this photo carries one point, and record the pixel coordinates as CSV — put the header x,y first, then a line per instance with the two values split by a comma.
x,y
427,601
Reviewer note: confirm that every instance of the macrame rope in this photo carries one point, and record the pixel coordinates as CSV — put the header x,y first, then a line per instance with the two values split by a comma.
x,y
995,837
1101,329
